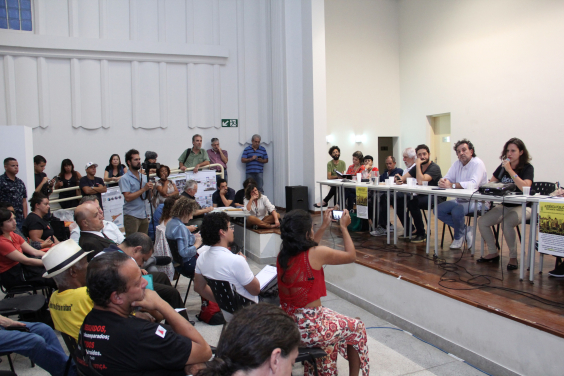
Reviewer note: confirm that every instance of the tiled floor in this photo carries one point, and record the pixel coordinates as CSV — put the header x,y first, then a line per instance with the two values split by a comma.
x,y
392,352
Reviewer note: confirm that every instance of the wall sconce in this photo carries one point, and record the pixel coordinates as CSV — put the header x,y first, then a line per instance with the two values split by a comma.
x,y
330,139
360,138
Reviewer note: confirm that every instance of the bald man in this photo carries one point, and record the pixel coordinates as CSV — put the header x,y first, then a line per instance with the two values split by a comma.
x,y
92,237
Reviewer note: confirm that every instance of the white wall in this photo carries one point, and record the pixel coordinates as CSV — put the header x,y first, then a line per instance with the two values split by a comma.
x,y
100,77
363,97
14,143
496,66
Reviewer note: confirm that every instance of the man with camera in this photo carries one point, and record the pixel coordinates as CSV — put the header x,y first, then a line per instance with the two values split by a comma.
x,y
135,189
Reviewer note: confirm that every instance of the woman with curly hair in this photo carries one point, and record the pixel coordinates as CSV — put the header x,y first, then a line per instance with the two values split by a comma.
x,y
263,213
260,340
301,284
176,230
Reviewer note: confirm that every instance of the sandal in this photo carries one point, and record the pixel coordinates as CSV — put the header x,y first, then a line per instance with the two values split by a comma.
x,y
483,260
512,267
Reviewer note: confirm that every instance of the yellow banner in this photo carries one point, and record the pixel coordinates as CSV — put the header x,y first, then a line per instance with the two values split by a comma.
x,y
551,227
362,202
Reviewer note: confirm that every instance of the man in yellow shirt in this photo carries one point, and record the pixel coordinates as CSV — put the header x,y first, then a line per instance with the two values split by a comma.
x,y
70,304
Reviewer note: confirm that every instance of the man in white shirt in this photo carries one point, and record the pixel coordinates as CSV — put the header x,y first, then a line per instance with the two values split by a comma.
x,y
220,263
110,229
467,172
409,158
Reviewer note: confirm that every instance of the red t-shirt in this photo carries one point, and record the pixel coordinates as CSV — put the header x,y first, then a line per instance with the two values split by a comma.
x,y
8,246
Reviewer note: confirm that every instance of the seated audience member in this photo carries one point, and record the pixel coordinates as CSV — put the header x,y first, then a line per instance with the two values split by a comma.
x,y
110,229
92,185
163,187
66,264
35,226
239,201
68,178
263,213
70,304
260,340
190,190
13,261
224,196
335,164
515,168
391,171
424,170
355,168
176,230
409,158
218,156
114,171
166,216
301,284
131,346
368,162
468,169
220,263
42,182
37,245
40,344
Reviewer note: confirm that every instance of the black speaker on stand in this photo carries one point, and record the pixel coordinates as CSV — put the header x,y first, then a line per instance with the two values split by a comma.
x,y
297,198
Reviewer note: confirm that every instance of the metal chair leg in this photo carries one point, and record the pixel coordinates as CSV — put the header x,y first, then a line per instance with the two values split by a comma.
x,y
187,291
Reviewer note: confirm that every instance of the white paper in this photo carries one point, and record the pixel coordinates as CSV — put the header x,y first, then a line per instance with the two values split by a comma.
x,y
266,275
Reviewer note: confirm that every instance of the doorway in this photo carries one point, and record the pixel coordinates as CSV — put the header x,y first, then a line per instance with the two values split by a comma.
x,y
385,149
440,143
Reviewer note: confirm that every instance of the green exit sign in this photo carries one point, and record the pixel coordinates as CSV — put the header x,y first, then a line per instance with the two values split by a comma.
x,y
229,123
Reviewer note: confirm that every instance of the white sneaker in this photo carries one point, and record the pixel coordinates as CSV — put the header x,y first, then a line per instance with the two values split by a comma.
x,y
457,243
469,236
378,232
391,228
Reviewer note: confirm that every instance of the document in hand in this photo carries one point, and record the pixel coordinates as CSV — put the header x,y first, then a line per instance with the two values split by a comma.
x,y
266,275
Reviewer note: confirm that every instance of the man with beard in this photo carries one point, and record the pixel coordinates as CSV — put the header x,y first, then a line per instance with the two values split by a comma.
x,y
135,190
424,170
467,170
333,165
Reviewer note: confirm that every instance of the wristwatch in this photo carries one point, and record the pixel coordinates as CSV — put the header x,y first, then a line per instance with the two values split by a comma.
x,y
454,186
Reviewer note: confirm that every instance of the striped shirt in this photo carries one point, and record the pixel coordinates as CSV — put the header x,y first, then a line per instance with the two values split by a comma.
x,y
255,166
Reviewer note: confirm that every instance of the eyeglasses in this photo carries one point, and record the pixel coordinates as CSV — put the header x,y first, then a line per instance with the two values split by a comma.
x,y
232,227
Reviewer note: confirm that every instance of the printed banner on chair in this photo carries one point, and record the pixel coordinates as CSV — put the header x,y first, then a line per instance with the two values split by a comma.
x,y
551,227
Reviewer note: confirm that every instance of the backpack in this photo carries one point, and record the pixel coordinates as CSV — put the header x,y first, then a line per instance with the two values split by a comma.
x,y
187,155
210,313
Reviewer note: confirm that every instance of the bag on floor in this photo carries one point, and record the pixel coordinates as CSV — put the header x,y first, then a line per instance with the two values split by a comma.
x,y
210,313
357,224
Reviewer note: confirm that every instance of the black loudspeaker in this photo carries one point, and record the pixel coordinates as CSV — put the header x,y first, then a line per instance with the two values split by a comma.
x,y
297,198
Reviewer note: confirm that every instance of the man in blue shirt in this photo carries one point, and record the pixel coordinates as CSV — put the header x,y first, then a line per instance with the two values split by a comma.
x,y
134,187
255,157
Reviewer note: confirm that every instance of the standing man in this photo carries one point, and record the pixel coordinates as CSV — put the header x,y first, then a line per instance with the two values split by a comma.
x,y
134,187
42,183
391,171
423,170
255,157
92,185
335,164
12,190
195,157
224,196
218,155
468,169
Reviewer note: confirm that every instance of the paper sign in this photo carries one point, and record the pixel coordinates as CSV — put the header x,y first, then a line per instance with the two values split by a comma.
x,y
362,202
551,228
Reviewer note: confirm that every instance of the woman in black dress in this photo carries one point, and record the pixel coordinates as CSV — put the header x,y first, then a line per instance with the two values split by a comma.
x,y
114,171
67,178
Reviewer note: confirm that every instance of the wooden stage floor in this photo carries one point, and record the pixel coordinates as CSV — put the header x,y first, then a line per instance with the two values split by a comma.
x,y
500,292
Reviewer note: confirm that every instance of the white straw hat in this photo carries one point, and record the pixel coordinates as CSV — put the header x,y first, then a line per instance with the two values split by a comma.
x,y
61,257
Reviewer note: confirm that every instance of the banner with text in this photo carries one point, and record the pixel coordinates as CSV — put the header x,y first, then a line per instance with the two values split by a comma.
x,y
362,202
551,227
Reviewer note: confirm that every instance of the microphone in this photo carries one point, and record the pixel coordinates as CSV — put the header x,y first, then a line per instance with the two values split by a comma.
x,y
502,171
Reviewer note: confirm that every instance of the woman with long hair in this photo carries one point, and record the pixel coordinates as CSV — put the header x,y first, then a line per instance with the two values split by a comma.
x,y
114,170
163,186
260,340
301,284
167,209
35,226
67,178
263,213
516,169
16,268
188,244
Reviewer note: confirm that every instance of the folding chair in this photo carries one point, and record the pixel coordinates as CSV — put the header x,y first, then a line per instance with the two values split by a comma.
x,y
178,262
